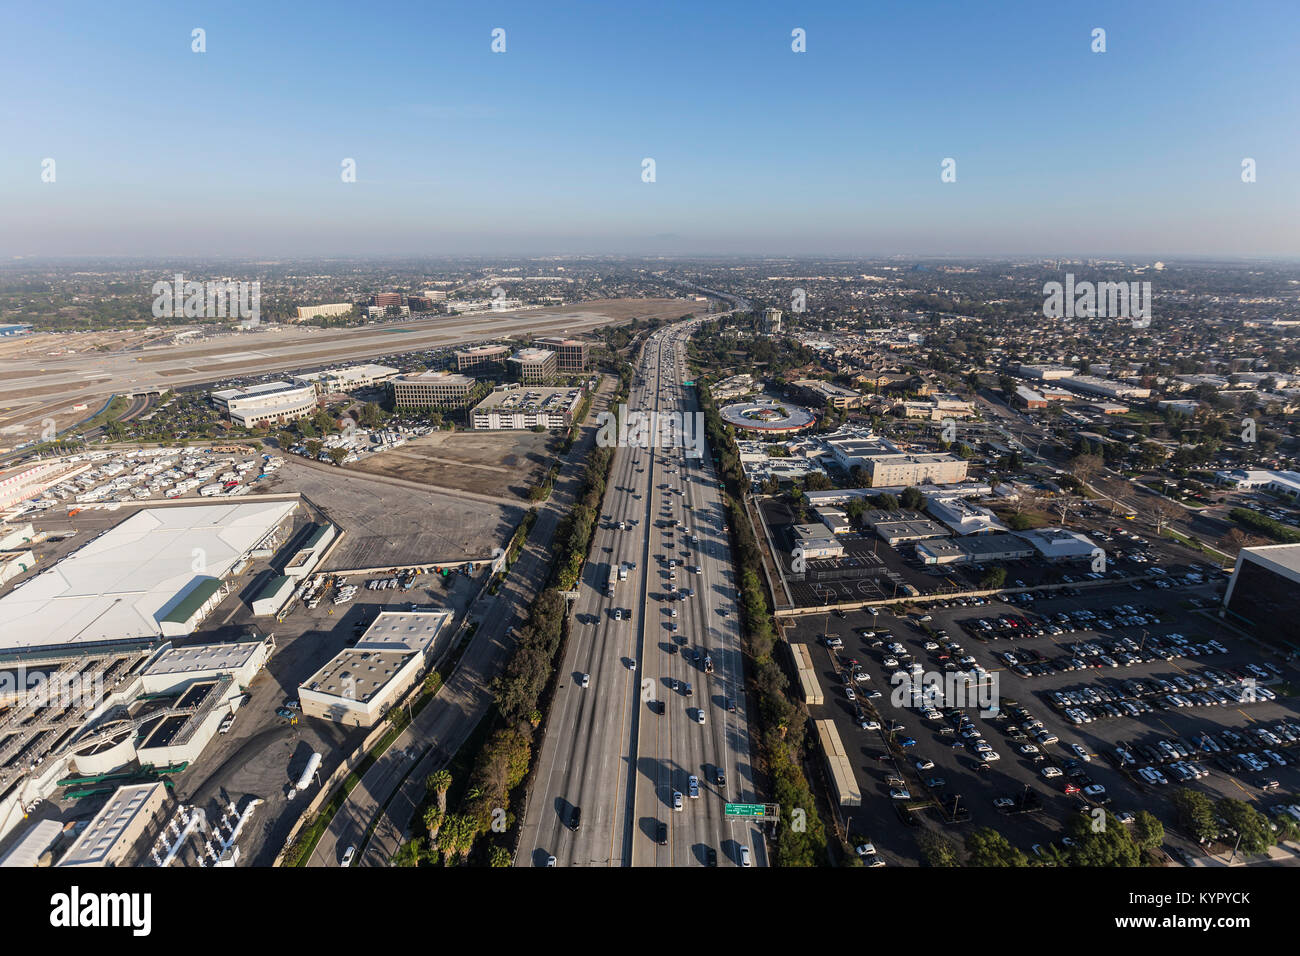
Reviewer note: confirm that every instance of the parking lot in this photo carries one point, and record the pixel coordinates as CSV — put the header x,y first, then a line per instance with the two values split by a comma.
x,y
1186,699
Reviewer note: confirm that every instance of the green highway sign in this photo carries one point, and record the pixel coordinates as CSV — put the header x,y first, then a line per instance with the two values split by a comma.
x,y
744,810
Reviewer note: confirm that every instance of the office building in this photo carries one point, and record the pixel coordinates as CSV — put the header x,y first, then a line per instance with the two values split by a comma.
x,y
535,366
432,389
271,403
572,355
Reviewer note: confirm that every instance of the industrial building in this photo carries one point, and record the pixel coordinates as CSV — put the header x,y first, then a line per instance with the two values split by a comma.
x,y
119,825
1057,544
360,683
271,403
432,389
515,407
154,575
1263,595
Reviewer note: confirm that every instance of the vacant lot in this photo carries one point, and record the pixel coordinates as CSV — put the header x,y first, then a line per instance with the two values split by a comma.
x,y
502,464
393,525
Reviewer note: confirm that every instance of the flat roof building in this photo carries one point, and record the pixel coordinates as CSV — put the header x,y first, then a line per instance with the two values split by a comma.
x,y
271,403
432,389
963,517
906,469
118,826
137,580
535,366
516,407
347,379
483,358
1059,544
572,355
360,683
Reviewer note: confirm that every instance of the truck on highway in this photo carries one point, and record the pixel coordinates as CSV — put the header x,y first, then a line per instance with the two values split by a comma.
x,y
622,572
613,579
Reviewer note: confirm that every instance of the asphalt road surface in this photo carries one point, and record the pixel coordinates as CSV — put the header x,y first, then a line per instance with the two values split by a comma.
x,y
620,747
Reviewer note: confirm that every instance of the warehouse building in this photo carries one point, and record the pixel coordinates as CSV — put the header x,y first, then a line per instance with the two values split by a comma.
x,y
137,581
118,827
1057,544
273,596
361,683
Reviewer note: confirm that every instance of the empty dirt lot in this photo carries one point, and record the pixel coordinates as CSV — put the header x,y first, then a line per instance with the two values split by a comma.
x,y
502,464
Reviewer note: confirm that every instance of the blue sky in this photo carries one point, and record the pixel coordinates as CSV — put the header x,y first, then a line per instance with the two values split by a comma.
x,y
237,151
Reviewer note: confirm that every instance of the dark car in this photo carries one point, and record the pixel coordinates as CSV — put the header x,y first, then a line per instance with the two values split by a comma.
x,y
575,820
661,833
711,856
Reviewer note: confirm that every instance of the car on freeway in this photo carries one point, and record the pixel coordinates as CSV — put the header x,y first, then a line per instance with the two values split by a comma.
x,y
693,786
586,680
699,716
550,861
348,855
744,856
661,833
677,799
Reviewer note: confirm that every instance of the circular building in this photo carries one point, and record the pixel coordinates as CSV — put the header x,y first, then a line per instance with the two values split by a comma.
x,y
767,418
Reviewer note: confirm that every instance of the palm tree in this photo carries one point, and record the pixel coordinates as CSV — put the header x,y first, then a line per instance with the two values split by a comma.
x,y
440,783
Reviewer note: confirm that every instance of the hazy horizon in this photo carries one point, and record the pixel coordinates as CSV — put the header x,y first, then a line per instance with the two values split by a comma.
x,y
759,151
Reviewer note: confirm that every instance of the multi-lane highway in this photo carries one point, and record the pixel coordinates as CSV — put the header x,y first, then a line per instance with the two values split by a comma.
x,y
637,713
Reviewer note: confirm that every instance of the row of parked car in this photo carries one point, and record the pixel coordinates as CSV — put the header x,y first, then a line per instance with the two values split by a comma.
x,y
1143,695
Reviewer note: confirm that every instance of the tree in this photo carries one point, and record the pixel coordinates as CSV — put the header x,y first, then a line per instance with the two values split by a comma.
x,y
1195,814
938,851
987,847
499,856
1085,467
1249,825
994,578
912,499
1102,841
337,455
439,783
1148,831
313,447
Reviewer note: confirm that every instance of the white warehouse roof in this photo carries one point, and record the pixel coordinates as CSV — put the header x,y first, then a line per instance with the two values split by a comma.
x,y
122,584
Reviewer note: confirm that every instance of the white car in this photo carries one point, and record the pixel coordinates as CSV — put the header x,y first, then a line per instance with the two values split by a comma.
x,y
1051,772
924,763
1080,753
677,799
850,694
348,854
1028,749
699,716
586,680
1096,790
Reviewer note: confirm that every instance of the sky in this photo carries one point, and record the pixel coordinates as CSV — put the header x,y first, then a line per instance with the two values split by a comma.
x,y
238,151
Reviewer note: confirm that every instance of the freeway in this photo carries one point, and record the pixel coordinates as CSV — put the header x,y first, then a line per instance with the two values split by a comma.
x,y
619,747
394,784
